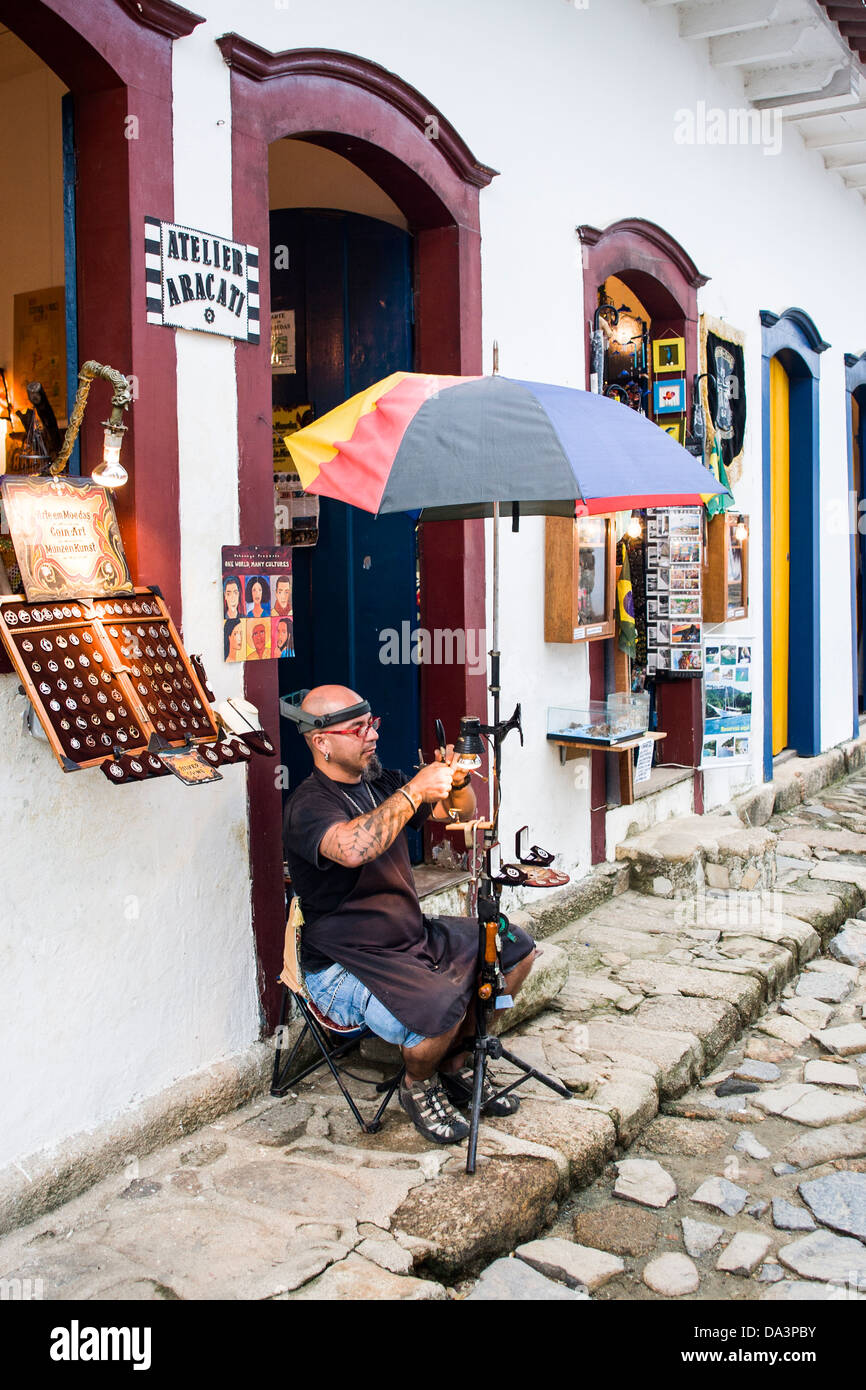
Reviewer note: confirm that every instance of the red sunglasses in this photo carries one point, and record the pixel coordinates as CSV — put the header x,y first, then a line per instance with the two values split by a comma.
x,y
361,732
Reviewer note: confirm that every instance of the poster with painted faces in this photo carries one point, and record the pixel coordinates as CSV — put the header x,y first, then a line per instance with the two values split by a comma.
x,y
257,603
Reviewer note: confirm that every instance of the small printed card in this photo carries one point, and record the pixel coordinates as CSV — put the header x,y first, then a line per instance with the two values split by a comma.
x,y
644,760
189,765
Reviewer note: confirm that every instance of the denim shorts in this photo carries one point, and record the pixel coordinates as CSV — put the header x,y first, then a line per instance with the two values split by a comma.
x,y
347,1001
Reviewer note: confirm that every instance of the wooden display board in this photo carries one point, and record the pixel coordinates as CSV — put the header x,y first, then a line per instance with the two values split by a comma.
x,y
579,592
106,676
726,574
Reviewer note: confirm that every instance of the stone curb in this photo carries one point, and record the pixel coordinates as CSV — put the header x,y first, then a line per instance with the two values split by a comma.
x,y
46,1180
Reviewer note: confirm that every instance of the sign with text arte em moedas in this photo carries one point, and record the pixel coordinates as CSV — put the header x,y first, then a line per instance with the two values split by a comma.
x,y
201,281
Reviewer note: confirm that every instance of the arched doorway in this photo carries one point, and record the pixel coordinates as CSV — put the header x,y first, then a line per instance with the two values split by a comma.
x,y
665,280
395,136
791,363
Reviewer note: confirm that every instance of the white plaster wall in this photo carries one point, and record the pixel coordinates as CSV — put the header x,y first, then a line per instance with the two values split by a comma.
x,y
155,941
125,930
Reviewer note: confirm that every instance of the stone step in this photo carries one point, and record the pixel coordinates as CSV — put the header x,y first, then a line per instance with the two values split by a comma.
x,y
682,856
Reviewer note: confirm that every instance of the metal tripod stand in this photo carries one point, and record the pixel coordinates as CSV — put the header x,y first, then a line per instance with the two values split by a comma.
x,y
490,980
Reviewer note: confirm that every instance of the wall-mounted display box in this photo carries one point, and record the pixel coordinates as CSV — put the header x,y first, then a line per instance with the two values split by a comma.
x,y
726,572
579,578
596,722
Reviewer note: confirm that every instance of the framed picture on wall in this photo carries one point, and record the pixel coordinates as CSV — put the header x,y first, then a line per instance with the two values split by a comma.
x,y
669,355
675,428
669,397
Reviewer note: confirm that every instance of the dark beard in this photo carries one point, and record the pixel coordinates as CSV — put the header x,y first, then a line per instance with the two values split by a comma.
x,y
372,771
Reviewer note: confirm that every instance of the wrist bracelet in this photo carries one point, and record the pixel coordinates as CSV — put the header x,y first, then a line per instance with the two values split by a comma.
x,y
408,798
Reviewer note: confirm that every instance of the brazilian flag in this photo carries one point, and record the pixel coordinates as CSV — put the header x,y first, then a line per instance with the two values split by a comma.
x,y
627,635
716,464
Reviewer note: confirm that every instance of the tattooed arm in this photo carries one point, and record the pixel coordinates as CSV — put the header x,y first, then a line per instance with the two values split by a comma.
x,y
357,842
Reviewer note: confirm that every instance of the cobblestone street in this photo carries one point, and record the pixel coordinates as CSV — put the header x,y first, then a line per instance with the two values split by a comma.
x,y
715,1146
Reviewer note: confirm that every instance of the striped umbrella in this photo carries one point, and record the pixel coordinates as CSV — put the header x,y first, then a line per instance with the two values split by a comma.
x,y
451,447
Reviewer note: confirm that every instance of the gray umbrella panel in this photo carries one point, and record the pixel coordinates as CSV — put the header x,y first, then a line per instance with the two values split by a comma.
x,y
546,447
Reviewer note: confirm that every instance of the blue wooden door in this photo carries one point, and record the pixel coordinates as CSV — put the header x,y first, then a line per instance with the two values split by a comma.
x,y
348,279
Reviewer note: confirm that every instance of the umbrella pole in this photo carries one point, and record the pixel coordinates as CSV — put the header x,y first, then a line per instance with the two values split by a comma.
x,y
494,687
490,979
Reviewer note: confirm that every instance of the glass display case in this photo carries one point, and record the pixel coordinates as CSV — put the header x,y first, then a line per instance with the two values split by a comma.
x,y
580,579
726,573
596,722
626,704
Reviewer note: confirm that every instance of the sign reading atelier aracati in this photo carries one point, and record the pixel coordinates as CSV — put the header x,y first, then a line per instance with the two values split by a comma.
x,y
200,281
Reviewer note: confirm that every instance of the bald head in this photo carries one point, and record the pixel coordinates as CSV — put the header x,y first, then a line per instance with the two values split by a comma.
x,y
327,699
341,757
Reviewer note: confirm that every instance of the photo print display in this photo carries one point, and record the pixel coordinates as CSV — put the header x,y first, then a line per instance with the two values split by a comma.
x,y
728,692
673,581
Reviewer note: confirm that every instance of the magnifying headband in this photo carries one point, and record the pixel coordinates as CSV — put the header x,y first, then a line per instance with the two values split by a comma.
x,y
308,723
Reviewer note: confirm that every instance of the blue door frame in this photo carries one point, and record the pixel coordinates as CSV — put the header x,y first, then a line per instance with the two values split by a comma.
x,y
855,381
793,337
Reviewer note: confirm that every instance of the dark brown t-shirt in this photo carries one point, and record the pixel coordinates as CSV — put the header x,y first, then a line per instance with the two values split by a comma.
x,y
369,920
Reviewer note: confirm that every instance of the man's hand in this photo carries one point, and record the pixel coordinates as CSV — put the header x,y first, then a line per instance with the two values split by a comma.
x,y
432,783
459,802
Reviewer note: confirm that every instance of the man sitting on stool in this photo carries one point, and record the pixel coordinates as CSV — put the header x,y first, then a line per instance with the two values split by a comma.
x,y
368,954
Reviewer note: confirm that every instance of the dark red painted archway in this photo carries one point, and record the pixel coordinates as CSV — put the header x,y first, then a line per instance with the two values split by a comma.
x,y
115,58
391,132
666,280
